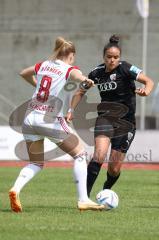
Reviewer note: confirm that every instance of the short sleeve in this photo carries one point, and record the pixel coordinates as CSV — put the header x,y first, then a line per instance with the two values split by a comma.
x,y
135,71
130,71
69,71
37,67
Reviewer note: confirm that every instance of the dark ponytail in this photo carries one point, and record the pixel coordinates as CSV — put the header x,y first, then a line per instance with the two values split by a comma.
x,y
113,42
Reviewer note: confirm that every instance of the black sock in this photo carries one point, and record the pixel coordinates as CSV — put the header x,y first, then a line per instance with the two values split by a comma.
x,y
93,170
111,180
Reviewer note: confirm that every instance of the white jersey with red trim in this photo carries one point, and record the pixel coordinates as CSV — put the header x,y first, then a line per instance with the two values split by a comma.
x,y
50,95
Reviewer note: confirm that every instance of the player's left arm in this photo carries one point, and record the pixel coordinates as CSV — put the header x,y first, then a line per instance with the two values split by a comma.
x,y
85,84
74,102
148,85
29,75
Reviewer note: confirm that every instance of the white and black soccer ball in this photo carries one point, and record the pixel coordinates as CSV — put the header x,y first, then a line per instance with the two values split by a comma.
x,y
108,198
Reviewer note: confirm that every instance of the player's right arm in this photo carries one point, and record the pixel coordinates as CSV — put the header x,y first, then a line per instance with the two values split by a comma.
x,y
29,75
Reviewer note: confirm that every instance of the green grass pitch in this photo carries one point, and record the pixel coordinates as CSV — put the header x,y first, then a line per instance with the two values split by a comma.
x,y
49,208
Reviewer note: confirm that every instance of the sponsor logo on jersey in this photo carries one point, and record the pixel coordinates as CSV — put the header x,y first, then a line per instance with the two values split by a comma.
x,y
41,107
108,86
135,69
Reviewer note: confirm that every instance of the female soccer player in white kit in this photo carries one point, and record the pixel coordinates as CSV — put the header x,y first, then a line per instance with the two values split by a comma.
x,y
45,118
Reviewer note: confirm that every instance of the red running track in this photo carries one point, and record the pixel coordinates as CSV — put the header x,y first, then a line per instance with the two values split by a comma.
x,y
69,164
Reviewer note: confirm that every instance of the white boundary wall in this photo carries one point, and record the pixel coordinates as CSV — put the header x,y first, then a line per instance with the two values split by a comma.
x,y
145,147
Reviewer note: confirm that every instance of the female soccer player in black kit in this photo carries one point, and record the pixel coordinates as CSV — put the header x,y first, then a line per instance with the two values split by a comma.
x,y
115,123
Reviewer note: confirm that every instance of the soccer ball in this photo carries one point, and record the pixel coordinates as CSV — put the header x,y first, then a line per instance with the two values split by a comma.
x,y
108,198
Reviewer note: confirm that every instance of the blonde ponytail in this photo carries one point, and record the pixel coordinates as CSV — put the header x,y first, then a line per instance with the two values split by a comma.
x,y
62,48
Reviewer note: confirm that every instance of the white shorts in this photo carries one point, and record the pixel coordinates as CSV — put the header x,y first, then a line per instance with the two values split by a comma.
x,y
37,126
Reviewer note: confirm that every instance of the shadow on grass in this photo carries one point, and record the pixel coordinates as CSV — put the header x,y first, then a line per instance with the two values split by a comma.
x,y
55,209
6,210
147,206
40,208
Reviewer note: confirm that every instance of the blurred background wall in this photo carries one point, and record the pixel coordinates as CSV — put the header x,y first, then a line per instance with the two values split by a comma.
x,y
28,30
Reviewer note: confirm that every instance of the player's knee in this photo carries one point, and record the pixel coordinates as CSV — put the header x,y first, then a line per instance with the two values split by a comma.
x,y
114,171
99,157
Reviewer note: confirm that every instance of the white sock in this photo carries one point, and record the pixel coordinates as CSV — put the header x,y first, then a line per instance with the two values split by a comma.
x,y
80,174
25,175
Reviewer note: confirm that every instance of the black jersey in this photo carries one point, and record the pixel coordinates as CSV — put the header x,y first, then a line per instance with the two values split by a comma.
x,y
117,86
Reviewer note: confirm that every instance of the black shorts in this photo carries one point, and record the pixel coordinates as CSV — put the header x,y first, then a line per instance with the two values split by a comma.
x,y
123,143
121,132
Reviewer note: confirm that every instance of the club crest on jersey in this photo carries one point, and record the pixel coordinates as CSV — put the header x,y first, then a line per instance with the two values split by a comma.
x,y
113,77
